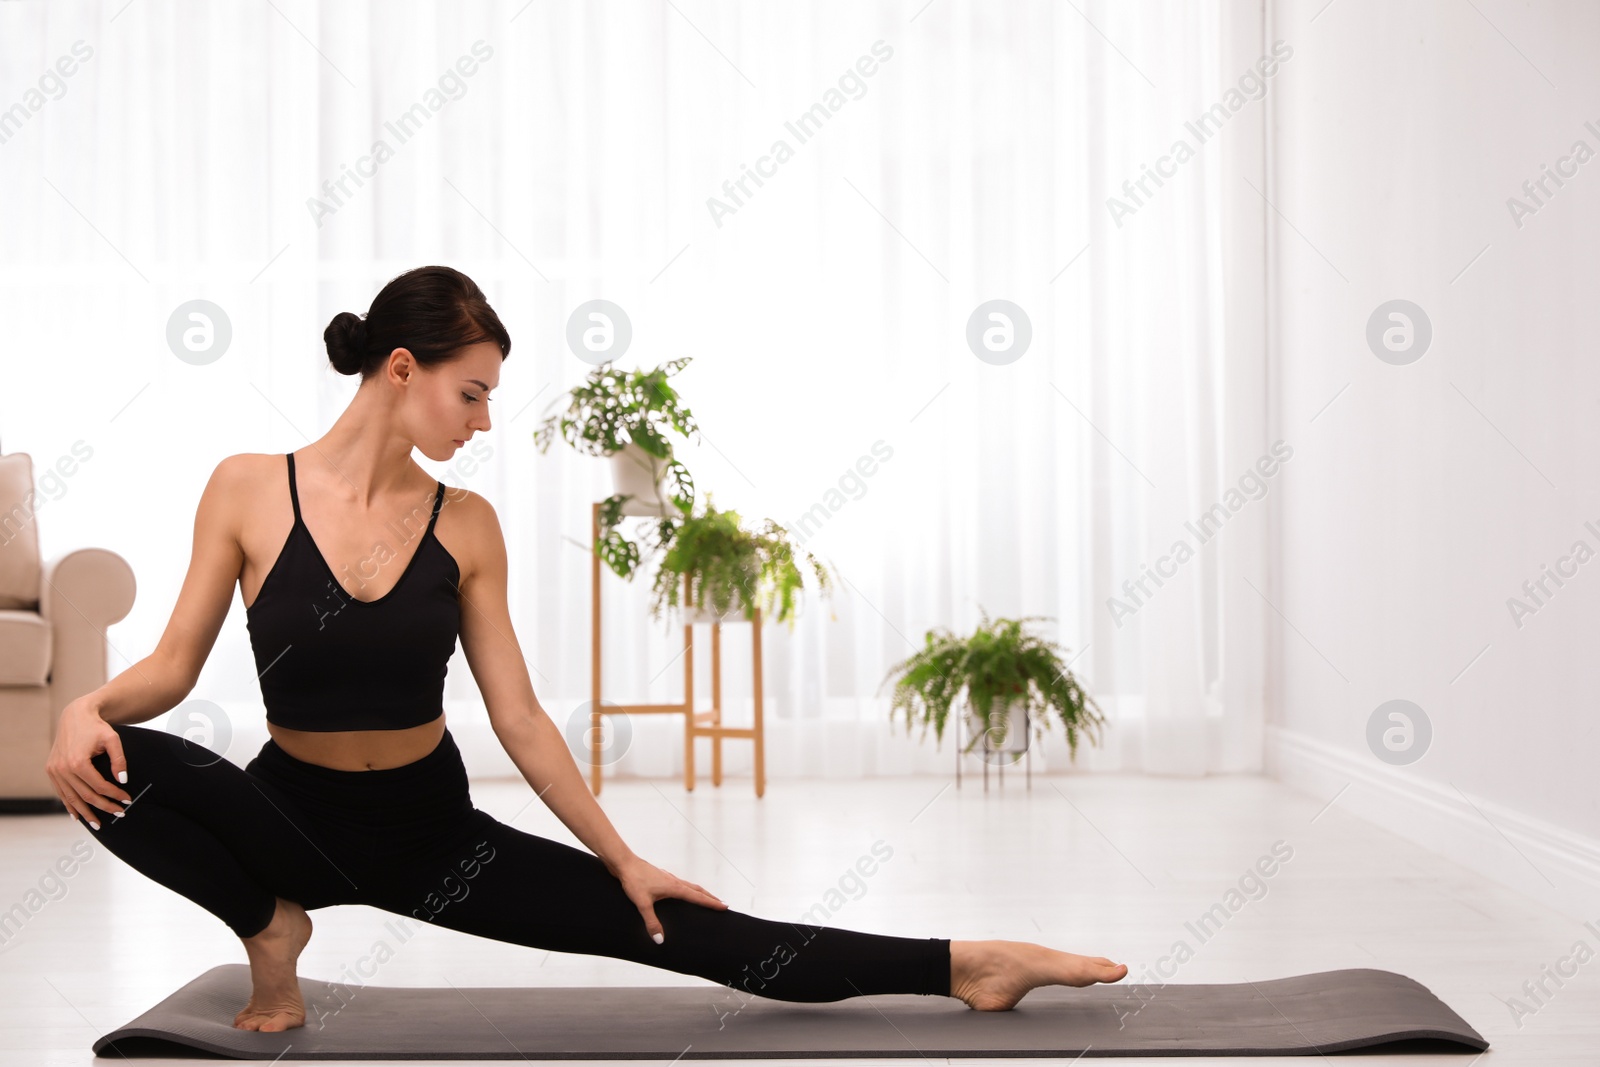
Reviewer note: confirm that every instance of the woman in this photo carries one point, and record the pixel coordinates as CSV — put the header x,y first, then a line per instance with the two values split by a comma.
x,y
360,795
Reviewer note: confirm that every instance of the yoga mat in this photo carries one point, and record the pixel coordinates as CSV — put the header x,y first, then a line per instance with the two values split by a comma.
x,y
1330,1011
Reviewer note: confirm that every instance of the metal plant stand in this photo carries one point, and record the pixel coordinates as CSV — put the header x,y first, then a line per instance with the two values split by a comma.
x,y
1027,759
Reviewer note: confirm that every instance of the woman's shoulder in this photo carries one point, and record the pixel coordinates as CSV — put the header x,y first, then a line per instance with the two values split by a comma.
x,y
244,460
236,498
468,512
469,528
249,466
242,476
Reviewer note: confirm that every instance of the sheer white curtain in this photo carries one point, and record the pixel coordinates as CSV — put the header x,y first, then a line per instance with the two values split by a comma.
x,y
560,152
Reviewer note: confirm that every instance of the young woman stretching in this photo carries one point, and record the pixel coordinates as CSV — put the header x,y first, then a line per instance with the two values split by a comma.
x,y
360,795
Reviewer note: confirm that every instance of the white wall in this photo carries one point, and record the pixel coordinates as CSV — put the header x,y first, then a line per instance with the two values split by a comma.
x,y
1422,498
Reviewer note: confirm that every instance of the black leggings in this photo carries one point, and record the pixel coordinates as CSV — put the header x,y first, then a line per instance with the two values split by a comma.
x,y
409,840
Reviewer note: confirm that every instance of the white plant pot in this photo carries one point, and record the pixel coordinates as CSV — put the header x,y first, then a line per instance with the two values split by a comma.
x,y
1008,727
694,616
638,474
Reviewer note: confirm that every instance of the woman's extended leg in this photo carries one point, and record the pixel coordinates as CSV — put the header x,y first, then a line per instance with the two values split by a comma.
x,y
499,882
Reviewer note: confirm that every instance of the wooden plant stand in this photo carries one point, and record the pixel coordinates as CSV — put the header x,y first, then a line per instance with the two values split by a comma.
x,y
707,723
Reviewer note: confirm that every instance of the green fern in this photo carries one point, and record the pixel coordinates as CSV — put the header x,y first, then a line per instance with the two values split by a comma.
x,y
998,663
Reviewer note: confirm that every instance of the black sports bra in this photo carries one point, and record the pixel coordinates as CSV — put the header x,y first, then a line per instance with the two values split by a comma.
x,y
328,661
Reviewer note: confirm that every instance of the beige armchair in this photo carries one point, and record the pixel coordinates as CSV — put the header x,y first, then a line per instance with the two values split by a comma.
x,y
53,619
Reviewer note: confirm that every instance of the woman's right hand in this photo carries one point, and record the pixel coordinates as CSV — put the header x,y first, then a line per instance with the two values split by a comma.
x,y
81,734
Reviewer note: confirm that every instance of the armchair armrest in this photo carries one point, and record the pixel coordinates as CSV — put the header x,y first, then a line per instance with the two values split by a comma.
x,y
81,593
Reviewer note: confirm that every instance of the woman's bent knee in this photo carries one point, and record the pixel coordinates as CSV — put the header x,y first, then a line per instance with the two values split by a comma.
x,y
148,750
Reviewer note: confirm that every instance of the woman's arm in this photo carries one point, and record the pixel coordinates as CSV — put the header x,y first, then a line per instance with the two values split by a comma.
x,y
533,741
160,681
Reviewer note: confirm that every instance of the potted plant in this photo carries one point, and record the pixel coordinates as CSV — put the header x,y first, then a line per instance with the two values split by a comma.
x,y
731,570
626,415
1006,675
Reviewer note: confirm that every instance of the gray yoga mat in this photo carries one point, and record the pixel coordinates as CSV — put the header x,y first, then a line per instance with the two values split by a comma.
x,y
1331,1011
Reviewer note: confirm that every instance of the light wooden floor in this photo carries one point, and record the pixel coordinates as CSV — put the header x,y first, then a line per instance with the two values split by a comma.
x,y
1104,865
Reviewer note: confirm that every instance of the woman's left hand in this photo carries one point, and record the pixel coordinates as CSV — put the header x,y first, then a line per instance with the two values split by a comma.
x,y
645,883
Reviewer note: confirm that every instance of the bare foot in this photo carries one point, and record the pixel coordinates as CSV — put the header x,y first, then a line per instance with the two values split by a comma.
x,y
275,1001
994,975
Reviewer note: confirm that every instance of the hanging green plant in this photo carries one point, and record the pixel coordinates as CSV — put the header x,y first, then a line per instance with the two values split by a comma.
x,y
630,412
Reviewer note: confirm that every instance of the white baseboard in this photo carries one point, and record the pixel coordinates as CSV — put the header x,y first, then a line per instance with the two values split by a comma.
x,y
1555,866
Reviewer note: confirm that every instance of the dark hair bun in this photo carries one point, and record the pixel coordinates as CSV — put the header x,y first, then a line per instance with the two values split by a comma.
x,y
431,312
346,338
